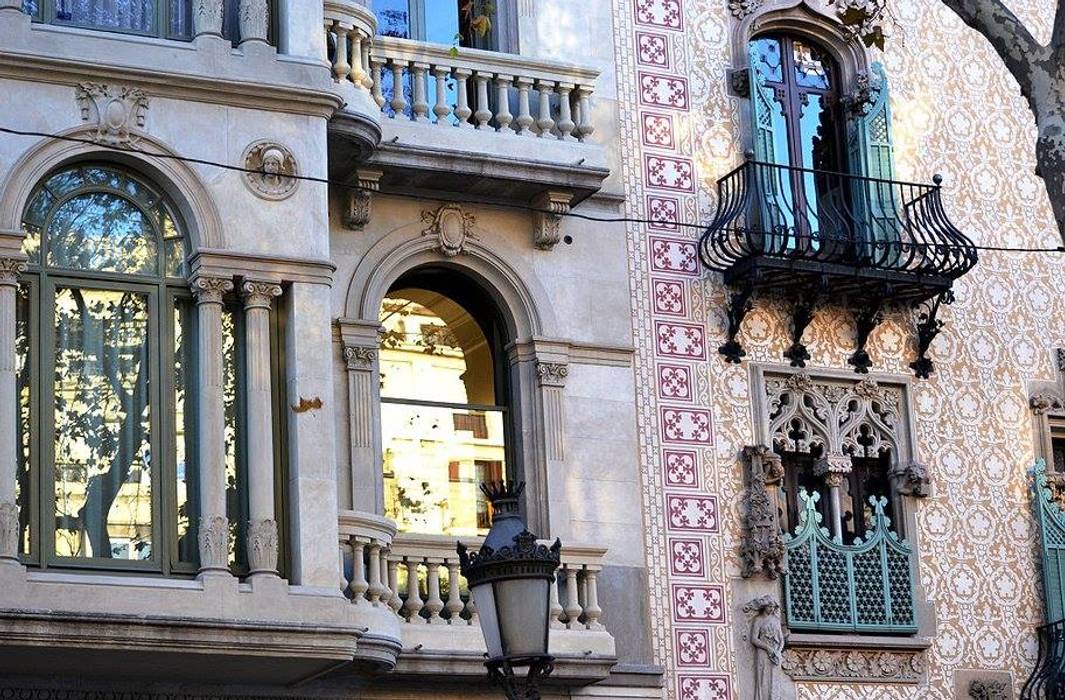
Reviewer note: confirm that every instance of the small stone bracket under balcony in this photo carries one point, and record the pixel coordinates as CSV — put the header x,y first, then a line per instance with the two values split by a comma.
x,y
823,238
478,125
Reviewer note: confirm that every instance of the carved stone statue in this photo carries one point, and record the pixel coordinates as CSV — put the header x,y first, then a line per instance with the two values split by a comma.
x,y
767,637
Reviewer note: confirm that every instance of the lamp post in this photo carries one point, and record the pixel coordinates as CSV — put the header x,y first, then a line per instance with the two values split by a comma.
x,y
510,580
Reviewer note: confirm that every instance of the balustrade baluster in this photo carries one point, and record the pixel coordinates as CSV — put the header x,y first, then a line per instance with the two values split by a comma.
x,y
573,606
483,113
556,607
375,590
524,120
419,76
565,119
395,602
454,593
545,122
584,124
462,101
471,609
341,67
592,611
358,71
399,100
364,53
376,65
386,586
414,603
358,571
343,576
441,109
503,115
433,603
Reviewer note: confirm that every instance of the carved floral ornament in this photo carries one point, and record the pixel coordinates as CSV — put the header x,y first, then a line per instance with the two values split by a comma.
x,y
118,111
451,226
854,665
272,169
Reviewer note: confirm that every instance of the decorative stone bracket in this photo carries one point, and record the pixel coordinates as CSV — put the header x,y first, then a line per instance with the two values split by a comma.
x,y
762,549
912,479
551,206
359,207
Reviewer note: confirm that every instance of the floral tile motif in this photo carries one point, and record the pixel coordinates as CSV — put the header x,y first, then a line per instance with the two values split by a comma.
x,y
697,513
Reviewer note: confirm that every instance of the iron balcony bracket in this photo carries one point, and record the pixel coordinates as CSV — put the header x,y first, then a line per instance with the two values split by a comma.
x,y
928,327
866,319
740,304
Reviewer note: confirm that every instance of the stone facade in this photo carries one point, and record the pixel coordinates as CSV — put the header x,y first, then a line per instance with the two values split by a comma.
x,y
638,441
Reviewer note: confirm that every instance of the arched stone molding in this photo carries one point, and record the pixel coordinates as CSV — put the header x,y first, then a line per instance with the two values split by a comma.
x,y
179,181
537,367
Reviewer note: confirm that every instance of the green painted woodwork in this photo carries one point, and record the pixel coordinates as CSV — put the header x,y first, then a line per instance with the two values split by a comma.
x,y
771,186
865,587
1052,538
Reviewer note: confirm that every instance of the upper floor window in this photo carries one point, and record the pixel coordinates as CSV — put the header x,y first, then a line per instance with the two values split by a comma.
x,y
166,19
106,345
469,23
444,413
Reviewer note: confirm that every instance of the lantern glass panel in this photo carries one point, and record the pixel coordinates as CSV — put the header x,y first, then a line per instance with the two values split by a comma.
x,y
522,605
484,599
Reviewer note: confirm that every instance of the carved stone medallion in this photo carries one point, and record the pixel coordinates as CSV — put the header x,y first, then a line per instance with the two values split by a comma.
x,y
452,228
273,169
117,110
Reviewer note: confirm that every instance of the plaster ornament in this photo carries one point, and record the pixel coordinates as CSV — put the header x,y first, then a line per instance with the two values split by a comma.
x,y
360,358
1041,404
118,111
211,290
273,169
912,479
360,199
10,269
766,635
452,228
853,665
741,9
988,689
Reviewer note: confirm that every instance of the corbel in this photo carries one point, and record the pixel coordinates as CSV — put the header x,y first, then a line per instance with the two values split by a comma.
x,y
802,314
928,327
360,198
549,208
866,319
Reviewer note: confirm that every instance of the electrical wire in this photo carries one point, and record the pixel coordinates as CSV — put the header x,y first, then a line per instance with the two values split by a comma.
x,y
504,205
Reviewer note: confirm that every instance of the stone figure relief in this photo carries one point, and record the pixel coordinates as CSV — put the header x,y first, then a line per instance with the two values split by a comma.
x,y
119,111
766,635
989,689
274,167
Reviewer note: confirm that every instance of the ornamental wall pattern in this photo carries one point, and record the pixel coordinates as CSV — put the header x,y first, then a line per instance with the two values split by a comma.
x,y
956,112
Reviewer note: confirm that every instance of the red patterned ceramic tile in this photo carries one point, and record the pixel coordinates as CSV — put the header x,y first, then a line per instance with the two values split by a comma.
x,y
663,212
680,339
669,297
704,687
686,557
675,382
657,130
698,513
660,13
678,257
691,425
699,603
693,647
652,50
669,173
681,468
663,90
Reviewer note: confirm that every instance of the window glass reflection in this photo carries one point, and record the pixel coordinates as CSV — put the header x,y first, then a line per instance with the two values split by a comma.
x,y
393,18
130,15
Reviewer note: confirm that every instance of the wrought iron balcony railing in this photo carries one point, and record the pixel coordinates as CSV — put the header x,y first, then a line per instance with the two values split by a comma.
x,y
1048,677
1047,681
814,234
864,587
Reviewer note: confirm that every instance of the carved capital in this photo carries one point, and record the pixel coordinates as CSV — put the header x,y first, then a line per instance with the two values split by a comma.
x,y
210,290
207,17
1044,403
214,543
360,358
833,468
10,269
451,226
118,111
9,547
552,373
254,20
854,665
262,546
547,221
359,207
259,295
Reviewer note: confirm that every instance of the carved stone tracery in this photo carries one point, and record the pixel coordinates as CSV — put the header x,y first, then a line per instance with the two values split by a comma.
x,y
762,549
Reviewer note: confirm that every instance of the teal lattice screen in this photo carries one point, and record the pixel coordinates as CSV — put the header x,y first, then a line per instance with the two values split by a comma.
x,y
1052,536
862,587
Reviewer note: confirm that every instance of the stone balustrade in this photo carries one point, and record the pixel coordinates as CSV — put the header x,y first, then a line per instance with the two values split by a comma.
x,y
349,30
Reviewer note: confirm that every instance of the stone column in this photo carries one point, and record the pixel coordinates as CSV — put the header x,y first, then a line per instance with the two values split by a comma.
x,y
214,525
262,526
9,402
207,17
254,21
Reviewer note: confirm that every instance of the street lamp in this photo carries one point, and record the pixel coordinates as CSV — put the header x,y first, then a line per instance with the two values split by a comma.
x,y
510,580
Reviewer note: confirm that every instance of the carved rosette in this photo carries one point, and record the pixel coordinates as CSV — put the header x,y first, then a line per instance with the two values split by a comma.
x,y
259,295
262,546
360,359
8,531
550,207
118,111
854,665
10,269
270,170
762,548
451,227
214,543
254,20
211,290
552,373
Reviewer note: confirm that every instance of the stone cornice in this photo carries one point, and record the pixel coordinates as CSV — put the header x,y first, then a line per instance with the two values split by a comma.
x,y
222,263
167,69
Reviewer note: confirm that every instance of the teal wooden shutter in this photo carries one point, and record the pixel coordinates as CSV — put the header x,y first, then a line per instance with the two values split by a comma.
x,y
1052,537
871,154
772,186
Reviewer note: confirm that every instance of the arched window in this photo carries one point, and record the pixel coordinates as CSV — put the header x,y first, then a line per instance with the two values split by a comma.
x,y
107,379
444,411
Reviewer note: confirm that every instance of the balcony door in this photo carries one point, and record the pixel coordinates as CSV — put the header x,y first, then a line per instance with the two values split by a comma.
x,y
799,137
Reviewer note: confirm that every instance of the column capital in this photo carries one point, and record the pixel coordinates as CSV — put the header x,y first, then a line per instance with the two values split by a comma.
x,y
360,358
552,373
210,290
10,269
259,295
207,17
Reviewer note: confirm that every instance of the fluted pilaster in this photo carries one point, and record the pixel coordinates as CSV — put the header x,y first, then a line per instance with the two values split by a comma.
x,y
10,268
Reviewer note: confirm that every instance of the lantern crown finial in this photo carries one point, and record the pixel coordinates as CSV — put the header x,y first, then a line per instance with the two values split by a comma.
x,y
503,495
